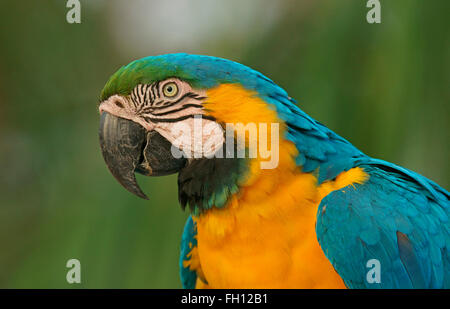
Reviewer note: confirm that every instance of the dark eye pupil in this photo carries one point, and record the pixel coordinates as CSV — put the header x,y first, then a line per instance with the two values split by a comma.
x,y
169,88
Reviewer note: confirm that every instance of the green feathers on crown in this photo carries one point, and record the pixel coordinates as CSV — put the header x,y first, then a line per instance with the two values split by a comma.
x,y
142,71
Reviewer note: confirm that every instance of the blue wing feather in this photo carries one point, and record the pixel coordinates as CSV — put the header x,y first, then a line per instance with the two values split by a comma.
x,y
188,241
393,218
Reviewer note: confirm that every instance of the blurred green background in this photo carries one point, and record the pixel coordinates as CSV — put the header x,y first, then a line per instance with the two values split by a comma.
x,y
385,87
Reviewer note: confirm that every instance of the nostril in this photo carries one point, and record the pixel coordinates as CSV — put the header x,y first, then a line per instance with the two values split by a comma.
x,y
118,103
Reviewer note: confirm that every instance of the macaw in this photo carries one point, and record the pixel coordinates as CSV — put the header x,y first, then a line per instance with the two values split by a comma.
x,y
325,215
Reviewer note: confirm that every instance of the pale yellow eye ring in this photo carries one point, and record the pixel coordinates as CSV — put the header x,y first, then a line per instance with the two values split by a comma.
x,y
170,89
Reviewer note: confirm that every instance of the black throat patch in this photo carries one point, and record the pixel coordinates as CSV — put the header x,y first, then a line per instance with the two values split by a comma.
x,y
207,183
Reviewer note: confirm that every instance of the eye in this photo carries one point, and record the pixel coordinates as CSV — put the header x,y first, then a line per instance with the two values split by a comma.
x,y
170,89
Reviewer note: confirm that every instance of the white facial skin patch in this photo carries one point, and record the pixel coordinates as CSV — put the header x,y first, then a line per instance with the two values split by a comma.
x,y
193,137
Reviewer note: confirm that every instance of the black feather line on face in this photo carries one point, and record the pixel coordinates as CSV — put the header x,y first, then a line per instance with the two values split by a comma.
x,y
134,102
178,119
157,89
153,93
145,96
140,93
178,109
134,97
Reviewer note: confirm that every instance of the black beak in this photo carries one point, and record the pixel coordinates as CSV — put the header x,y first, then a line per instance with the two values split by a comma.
x,y
128,148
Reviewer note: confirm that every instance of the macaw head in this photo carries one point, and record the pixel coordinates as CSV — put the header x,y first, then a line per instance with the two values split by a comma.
x,y
181,113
